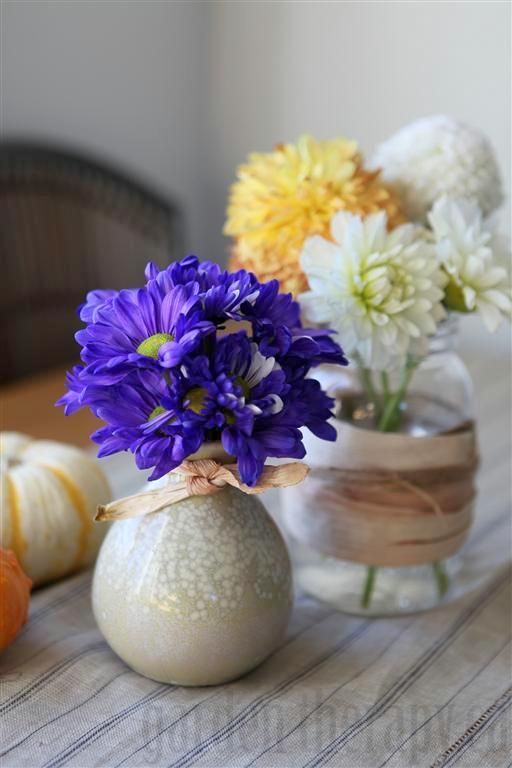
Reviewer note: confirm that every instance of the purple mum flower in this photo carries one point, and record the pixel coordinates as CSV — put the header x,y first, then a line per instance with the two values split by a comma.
x,y
72,399
188,270
240,393
144,328
95,300
232,297
141,416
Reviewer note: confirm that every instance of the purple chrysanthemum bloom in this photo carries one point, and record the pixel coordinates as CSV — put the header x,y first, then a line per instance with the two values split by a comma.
x,y
94,301
141,415
72,399
223,293
188,270
235,383
243,396
167,369
273,315
276,430
144,328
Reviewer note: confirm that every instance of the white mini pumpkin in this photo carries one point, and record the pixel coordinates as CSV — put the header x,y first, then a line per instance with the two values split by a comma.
x,y
49,494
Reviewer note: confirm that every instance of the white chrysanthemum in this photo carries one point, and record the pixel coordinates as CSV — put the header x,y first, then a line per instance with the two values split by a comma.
x,y
381,291
475,260
437,156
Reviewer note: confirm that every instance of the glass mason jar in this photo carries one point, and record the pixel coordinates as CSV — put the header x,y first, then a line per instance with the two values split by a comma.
x,y
379,520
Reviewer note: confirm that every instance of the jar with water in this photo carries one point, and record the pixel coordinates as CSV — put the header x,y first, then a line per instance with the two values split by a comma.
x,y
378,524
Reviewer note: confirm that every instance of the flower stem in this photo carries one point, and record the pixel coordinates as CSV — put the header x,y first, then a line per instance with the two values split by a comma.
x,y
384,378
389,420
442,579
390,417
369,584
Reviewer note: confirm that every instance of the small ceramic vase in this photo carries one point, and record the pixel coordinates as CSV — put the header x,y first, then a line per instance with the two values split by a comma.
x,y
197,594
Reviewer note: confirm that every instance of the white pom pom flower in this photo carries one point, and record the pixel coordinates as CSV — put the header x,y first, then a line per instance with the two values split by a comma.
x,y
381,291
438,156
475,260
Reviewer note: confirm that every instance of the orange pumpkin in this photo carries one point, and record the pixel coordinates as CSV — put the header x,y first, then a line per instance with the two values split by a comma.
x,y
14,597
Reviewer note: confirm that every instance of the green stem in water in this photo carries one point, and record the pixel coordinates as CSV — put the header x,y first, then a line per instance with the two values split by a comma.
x,y
389,420
442,579
390,417
384,378
369,584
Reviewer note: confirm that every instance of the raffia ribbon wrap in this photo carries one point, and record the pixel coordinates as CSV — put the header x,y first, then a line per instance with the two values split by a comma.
x,y
386,499
199,478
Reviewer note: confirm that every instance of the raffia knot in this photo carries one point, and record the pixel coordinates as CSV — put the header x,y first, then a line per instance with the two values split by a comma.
x,y
200,478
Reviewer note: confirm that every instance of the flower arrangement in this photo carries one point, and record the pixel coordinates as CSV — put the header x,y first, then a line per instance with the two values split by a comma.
x,y
385,292
200,355
282,197
311,216
203,375
382,257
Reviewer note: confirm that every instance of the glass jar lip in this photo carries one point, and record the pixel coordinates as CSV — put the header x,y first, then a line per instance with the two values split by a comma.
x,y
445,335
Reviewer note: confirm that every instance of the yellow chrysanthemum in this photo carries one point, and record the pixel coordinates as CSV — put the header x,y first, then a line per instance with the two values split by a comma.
x,y
282,197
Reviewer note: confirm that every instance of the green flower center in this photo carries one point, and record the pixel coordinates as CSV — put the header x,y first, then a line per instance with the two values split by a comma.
x,y
454,297
156,412
196,399
243,386
150,346
382,286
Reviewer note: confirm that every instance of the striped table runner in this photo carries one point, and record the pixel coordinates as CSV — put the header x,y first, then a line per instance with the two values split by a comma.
x,y
433,689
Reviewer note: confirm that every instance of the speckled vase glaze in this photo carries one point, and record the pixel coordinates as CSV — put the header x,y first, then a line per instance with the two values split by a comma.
x,y
197,594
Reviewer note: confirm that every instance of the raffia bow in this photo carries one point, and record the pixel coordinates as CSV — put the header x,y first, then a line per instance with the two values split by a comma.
x,y
200,478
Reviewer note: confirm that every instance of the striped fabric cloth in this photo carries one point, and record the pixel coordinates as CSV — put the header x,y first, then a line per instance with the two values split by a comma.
x,y
434,689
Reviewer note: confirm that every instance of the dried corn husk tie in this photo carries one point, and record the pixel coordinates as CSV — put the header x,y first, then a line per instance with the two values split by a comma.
x,y
200,478
387,499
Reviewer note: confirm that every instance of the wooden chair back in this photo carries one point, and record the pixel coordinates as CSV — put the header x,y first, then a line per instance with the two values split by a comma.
x,y
68,225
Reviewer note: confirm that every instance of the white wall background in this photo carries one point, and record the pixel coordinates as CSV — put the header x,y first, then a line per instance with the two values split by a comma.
x,y
180,92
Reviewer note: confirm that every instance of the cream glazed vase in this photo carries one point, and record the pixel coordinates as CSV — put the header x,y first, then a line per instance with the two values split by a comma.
x,y
197,594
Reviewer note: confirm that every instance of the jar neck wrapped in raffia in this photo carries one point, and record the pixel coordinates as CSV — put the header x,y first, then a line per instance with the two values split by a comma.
x,y
386,499
204,473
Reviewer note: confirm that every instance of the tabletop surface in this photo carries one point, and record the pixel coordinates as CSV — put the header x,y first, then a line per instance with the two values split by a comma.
x,y
431,689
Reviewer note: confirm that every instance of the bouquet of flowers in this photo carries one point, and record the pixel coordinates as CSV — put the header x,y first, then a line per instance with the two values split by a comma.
x,y
384,254
381,256
200,355
385,289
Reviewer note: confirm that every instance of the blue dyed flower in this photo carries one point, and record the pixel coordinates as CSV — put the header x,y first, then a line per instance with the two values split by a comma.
x,y
94,302
222,293
143,328
142,416
199,355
